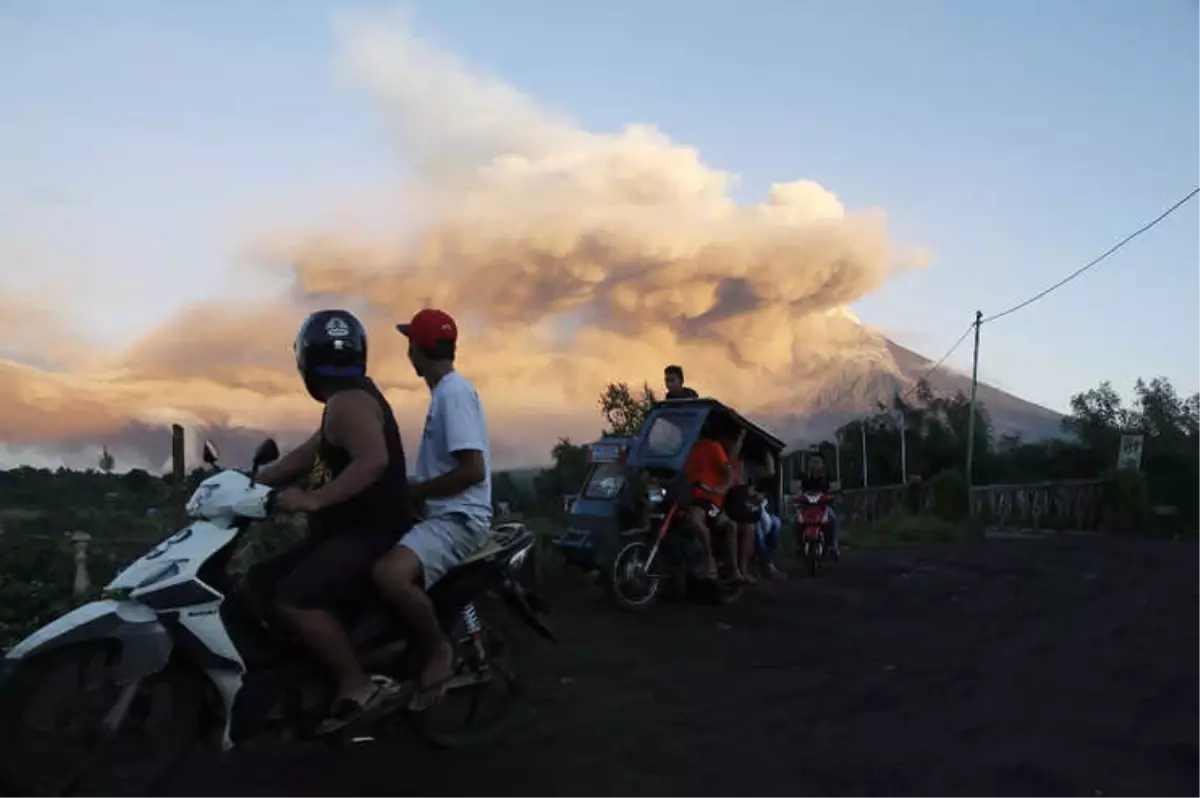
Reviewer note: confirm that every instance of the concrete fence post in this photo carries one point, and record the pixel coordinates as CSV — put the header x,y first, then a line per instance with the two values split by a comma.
x,y
79,552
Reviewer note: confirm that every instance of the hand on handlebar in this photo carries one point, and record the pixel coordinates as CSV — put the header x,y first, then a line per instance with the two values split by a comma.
x,y
295,500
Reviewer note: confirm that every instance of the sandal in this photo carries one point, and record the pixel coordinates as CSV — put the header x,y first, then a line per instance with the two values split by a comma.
x,y
348,710
427,697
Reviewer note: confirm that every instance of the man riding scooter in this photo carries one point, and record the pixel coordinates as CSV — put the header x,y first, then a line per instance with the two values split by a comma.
x,y
815,481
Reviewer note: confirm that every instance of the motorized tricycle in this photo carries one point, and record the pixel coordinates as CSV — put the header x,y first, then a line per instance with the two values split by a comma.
x,y
629,521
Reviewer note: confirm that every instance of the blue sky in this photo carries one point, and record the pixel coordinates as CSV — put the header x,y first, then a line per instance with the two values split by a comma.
x,y
1015,141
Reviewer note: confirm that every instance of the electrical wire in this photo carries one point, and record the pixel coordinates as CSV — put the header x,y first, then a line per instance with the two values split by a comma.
x,y
942,360
1095,261
1110,251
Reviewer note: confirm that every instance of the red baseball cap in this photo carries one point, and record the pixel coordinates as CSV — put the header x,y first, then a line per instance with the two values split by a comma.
x,y
429,328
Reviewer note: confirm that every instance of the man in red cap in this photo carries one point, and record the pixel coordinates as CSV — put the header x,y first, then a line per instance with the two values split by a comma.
x,y
452,481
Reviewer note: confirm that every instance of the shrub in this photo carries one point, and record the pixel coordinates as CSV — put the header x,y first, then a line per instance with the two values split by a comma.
x,y
1124,502
951,497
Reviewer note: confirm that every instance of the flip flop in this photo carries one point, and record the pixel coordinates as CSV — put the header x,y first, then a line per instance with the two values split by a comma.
x,y
427,697
347,710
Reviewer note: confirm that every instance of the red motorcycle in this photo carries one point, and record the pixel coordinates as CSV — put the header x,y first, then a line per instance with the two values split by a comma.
x,y
811,517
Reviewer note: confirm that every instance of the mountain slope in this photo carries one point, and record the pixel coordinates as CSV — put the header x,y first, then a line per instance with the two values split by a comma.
x,y
851,395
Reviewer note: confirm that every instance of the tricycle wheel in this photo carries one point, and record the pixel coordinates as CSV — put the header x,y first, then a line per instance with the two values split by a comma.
x,y
630,586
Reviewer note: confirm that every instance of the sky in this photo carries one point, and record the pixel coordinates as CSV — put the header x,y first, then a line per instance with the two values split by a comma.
x,y
182,179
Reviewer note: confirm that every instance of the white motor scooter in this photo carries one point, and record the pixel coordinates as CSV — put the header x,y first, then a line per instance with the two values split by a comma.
x,y
175,647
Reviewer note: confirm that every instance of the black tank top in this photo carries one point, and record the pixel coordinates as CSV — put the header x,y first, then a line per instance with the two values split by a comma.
x,y
384,508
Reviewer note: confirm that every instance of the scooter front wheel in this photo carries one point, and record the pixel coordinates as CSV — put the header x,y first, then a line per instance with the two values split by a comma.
x,y
812,556
630,585
67,727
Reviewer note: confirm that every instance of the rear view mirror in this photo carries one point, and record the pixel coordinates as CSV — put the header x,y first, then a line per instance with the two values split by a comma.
x,y
210,453
267,452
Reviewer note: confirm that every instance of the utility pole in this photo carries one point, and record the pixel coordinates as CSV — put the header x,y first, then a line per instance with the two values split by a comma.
x,y
971,416
837,455
903,443
862,428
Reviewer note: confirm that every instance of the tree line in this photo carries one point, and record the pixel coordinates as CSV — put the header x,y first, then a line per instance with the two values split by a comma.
x,y
935,430
37,506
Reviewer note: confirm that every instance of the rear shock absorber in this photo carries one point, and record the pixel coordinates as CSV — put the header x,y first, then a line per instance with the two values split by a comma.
x,y
474,630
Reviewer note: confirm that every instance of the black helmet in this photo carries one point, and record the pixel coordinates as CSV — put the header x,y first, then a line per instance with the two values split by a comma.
x,y
331,345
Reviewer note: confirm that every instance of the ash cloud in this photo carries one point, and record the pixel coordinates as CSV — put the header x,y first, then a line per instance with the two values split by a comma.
x,y
569,257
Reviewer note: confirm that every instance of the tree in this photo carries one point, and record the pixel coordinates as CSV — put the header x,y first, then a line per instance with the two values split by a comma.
x,y
623,412
935,435
566,475
107,463
504,489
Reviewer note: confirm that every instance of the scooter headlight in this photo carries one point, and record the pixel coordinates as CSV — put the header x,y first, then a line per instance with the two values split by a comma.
x,y
657,496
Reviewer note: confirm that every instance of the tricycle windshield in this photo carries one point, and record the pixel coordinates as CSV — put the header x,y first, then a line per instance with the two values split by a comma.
x,y
667,437
604,481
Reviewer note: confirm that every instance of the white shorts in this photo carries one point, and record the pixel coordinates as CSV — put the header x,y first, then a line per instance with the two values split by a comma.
x,y
443,542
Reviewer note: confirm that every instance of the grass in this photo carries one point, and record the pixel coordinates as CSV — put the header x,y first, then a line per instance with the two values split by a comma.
x,y
19,514
899,528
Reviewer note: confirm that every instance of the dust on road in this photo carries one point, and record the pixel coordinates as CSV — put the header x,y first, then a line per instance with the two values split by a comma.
x,y
1057,667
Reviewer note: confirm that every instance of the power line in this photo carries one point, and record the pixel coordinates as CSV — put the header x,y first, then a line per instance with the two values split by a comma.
x,y
1092,263
938,364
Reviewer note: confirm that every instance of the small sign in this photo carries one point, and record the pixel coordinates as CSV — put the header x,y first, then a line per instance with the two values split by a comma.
x,y
1130,455
605,452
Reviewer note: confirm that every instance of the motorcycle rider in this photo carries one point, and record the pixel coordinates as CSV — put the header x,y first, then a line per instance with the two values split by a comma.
x,y
816,481
709,472
357,505
453,482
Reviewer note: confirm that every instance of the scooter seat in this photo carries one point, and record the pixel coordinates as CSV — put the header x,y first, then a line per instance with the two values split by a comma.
x,y
502,538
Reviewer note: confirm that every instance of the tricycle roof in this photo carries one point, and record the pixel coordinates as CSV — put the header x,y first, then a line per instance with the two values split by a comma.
x,y
709,403
674,425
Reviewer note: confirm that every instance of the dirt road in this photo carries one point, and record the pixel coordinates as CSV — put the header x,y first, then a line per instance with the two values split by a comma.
x,y
1062,667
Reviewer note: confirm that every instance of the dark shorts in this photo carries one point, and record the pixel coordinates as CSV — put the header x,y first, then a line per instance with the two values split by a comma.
x,y
739,508
323,572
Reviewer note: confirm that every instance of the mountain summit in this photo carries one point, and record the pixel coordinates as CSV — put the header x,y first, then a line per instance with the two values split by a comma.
x,y
858,391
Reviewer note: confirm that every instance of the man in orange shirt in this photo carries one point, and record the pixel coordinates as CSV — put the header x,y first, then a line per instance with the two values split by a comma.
x,y
709,473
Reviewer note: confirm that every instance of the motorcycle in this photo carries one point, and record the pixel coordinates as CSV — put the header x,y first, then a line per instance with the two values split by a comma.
x,y
664,552
811,517
176,650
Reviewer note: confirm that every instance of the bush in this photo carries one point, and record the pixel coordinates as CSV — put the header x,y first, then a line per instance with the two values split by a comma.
x,y
951,497
1124,502
35,585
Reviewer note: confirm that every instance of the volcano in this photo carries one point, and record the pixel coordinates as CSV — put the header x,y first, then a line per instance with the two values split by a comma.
x,y
855,393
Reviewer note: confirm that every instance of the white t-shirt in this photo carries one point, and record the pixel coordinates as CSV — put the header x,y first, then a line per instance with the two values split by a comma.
x,y
455,423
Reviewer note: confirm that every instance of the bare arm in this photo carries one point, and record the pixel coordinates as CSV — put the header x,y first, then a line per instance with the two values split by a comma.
x,y
292,465
354,422
726,478
736,450
470,471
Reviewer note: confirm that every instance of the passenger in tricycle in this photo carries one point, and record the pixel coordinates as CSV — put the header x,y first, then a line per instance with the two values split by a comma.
x,y
709,472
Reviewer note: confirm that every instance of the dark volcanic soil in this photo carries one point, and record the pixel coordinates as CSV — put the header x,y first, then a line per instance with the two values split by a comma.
x,y
1058,667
